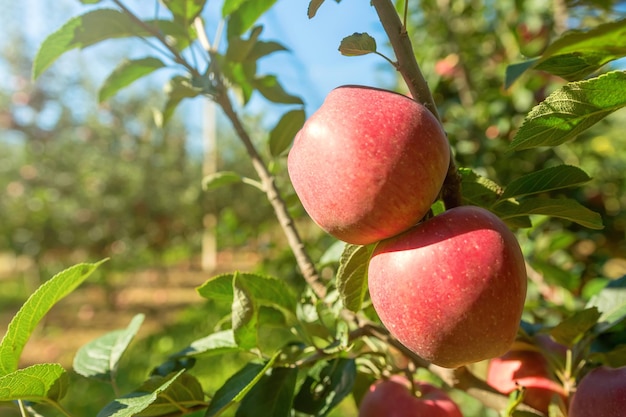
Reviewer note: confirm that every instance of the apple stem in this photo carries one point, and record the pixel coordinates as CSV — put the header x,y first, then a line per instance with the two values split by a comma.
x,y
409,69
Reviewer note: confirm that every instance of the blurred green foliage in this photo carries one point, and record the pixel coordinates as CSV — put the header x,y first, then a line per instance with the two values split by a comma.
x,y
463,49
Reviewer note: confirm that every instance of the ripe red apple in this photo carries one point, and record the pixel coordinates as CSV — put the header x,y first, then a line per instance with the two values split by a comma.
x,y
600,393
393,398
451,289
531,370
368,164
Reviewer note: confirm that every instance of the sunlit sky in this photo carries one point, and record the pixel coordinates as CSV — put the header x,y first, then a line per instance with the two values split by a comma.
x,y
312,67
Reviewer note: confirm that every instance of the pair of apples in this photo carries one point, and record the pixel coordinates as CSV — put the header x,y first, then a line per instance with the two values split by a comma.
x,y
367,167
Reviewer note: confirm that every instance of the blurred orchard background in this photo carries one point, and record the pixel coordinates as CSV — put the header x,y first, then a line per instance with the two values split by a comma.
x,y
82,180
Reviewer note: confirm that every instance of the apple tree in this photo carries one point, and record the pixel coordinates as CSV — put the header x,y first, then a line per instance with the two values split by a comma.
x,y
452,289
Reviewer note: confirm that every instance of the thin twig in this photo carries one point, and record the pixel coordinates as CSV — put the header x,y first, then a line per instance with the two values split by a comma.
x,y
268,182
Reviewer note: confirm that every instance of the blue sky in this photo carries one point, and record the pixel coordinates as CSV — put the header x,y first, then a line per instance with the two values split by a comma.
x,y
311,68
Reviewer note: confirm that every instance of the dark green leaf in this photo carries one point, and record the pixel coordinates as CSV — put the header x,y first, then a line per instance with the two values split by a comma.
x,y
137,401
271,89
82,31
285,130
547,179
478,190
273,394
245,315
319,394
352,275
99,358
611,302
571,110
575,66
126,73
562,208
615,358
242,14
237,386
357,44
184,393
577,54
514,71
266,291
574,328
33,310
36,383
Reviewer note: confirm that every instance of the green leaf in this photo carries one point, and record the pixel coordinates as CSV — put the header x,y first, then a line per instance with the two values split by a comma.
x,y
615,358
185,11
33,310
547,179
314,6
214,344
81,32
137,401
177,89
576,54
352,275
223,178
611,302
239,49
238,385
261,49
273,394
319,394
271,89
357,44
37,383
242,14
266,291
571,110
285,130
183,393
478,190
563,208
514,71
99,358
126,73
245,315
571,330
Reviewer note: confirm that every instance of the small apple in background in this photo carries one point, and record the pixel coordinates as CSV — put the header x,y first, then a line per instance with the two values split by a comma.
x,y
368,164
600,393
452,289
393,398
529,369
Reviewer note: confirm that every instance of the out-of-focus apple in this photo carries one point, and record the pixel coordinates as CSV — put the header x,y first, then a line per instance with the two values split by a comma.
x,y
368,164
452,289
393,398
529,369
600,393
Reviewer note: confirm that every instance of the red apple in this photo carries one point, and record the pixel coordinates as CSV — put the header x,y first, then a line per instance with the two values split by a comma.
x,y
393,398
600,393
368,164
451,289
529,369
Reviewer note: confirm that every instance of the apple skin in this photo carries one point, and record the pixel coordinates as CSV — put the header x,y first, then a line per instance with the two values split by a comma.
x,y
451,289
531,370
368,164
600,393
393,398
